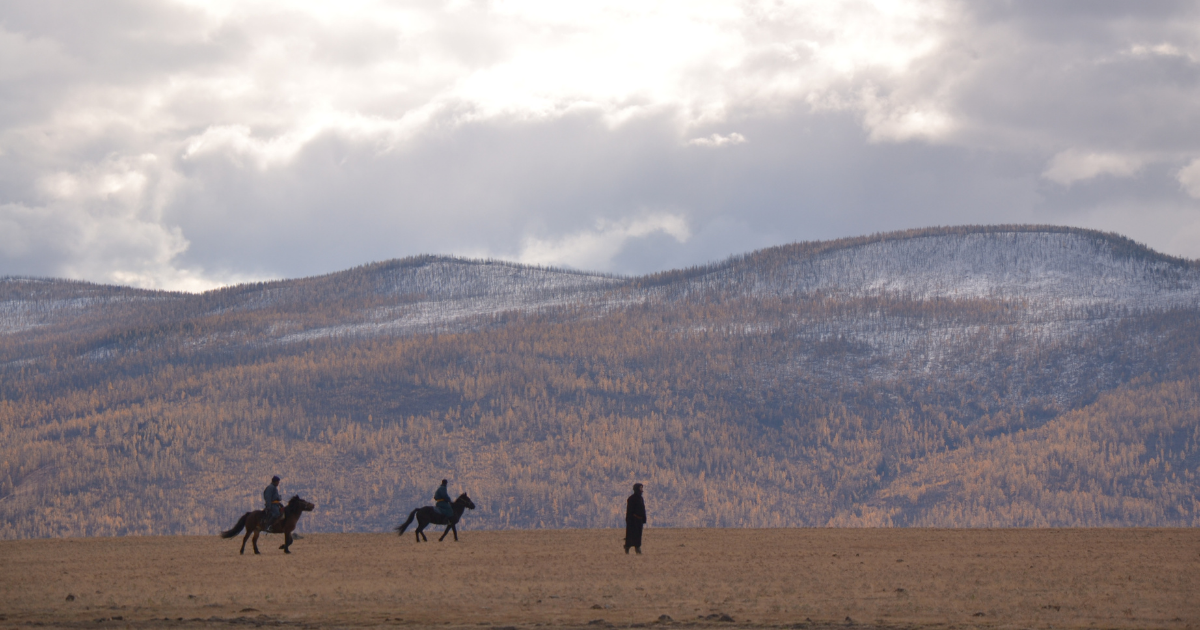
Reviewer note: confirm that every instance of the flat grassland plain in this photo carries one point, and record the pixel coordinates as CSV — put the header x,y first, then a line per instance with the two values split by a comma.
x,y
708,578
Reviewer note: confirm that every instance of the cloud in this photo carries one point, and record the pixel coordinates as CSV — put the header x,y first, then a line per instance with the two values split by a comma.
x,y
1165,49
1072,166
889,123
1189,178
103,223
230,98
185,144
595,248
717,140
23,57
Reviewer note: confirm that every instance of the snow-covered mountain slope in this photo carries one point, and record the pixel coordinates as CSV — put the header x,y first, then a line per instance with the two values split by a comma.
x,y
1053,272
396,297
457,279
30,303
1066,268
432,294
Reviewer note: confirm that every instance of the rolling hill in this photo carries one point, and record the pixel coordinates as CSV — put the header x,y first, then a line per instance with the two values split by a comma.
x,y
971,376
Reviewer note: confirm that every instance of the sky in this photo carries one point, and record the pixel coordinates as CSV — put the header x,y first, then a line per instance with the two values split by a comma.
x,y
190,144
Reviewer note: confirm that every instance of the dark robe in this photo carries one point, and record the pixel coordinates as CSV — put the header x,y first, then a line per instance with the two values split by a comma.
x,y
635,519
441,498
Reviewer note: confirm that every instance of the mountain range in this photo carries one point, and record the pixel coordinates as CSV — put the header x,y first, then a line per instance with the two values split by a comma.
x,y
968,376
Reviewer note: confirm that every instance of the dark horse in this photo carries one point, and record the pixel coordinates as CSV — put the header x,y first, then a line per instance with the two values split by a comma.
x,y
429,514
252,521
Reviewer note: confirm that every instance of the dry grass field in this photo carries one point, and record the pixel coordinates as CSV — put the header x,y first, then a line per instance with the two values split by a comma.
x,y
1088,578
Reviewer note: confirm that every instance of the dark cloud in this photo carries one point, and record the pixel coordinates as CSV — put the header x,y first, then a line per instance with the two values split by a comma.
x,y
484,187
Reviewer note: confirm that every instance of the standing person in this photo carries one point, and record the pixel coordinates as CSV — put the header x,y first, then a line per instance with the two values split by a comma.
x,y
441,498
635,519
273,502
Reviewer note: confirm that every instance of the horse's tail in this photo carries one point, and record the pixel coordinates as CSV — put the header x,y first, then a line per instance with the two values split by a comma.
x,y
403,526
236,528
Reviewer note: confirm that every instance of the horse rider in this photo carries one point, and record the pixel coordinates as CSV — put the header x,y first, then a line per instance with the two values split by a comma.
x,y
273,501
441,498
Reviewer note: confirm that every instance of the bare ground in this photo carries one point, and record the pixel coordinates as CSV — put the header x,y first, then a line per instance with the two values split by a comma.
x,y
709,578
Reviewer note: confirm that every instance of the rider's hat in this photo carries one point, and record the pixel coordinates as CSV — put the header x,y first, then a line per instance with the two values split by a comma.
x,y
275,479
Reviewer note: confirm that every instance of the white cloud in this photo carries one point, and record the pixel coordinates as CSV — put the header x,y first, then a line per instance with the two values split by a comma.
x,y
890,121
104,223
1073,165
238,141
387,70
1164,49
717,140
1189,178
595,248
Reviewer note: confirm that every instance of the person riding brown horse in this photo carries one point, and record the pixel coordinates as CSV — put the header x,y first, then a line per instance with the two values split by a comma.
x,y
255,522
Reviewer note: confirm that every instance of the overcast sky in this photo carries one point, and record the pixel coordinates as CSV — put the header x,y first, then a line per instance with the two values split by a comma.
x,y
186,144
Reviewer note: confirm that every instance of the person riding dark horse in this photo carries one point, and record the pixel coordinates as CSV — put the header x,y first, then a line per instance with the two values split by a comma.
x,y
273,502
430,515
441,499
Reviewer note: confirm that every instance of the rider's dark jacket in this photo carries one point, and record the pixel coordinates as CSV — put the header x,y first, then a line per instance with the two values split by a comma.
x,y
273,501
442,498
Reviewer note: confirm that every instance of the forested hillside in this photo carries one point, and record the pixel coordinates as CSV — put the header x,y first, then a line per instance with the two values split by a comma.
x,y
978,376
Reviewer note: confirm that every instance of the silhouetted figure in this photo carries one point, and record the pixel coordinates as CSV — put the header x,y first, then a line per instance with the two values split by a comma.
x,y
635,519
273,503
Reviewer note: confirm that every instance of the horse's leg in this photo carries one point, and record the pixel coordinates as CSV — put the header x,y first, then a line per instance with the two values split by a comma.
x,y
287,542
248,532
449,528
254,541
455,528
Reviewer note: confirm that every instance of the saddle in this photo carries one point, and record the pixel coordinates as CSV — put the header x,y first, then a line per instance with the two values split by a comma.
x,y
268,520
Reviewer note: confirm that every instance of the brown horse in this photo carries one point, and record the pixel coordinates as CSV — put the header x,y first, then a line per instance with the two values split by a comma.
x,y
252,521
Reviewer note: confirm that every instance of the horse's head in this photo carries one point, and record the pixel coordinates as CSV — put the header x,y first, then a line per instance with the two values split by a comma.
x,y
296,504
465,501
